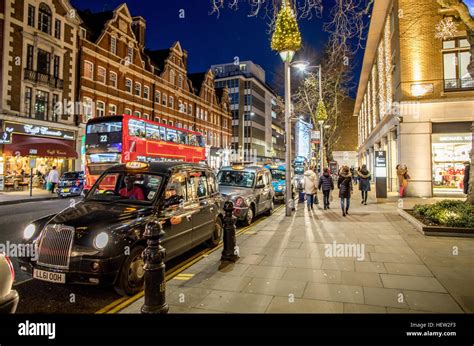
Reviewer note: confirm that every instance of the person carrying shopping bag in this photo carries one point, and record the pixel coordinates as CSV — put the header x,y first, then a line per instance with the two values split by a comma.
x,y
326,184
344,183
310,187
403,176
53,178
364,183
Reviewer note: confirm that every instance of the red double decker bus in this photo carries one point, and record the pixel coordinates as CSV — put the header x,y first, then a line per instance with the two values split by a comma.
x,y
118,139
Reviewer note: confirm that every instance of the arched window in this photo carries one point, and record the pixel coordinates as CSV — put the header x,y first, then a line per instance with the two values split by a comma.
x,y
44,19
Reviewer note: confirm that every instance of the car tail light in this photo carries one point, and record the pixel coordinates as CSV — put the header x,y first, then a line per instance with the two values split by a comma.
x,y
11,268
239,201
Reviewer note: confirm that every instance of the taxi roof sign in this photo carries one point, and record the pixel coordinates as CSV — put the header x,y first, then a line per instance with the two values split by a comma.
x,y
137,165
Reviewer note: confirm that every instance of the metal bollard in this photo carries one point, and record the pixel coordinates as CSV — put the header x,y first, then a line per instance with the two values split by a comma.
x,y
155,282
229,253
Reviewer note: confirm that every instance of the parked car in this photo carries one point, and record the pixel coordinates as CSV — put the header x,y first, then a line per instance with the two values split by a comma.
x,y
70,184
249,188
278,181
8,297
100,239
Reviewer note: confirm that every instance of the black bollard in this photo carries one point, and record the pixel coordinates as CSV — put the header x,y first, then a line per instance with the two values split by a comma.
x,y
155,282
229,252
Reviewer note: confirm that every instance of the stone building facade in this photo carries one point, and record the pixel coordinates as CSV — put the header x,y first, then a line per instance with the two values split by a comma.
x,y
416,97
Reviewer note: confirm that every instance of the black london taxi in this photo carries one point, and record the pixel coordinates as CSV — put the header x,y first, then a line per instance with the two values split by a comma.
x,y
249,188
100,239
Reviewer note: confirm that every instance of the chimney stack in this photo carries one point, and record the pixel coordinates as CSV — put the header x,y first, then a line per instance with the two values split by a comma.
x,y
139,27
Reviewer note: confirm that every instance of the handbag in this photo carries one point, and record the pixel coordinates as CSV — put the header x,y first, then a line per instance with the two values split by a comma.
x,y
49,186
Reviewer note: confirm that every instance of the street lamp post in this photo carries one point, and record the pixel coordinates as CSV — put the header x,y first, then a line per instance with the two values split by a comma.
x,y
288,138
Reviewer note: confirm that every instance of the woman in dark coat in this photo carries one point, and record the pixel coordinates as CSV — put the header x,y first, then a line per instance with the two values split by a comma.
x,y
326,184
364,183
344,183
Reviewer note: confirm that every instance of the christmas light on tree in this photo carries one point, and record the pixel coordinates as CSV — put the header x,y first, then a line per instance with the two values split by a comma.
x,y
286,36
321,113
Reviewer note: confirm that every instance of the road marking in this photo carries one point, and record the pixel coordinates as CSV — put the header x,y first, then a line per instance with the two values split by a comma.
x,y
124,302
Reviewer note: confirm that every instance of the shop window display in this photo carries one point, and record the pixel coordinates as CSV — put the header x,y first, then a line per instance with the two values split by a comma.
x,y
449,152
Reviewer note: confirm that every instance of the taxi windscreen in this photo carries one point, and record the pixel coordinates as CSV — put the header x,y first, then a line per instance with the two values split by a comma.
x,y
277,174
235,178
126,187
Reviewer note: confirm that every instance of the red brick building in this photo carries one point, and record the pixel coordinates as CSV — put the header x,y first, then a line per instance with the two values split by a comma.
x,y
38,46
119,76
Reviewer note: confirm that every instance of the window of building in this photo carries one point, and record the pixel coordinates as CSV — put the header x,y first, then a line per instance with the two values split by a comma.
x,y
100,109
130,54
31,15
158,120
87,104
146,92
101,74
138,89
180,106
185,126
456,59
113,79
165,100
190,110
172,77
41,104
165,121
197,112
158,97
137,114
205,115
180,80
128,111
28,104
113,45
88,70
128,85
57,29
171,123
146,116
29,57
112,109
56,63
185,108
171,104
44,18
44,62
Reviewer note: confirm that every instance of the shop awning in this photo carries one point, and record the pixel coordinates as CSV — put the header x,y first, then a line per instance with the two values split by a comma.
x,y
45,147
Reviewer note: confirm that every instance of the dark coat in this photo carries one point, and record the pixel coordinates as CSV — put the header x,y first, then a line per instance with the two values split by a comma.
x,y
344,183
364,180
326,182
466,178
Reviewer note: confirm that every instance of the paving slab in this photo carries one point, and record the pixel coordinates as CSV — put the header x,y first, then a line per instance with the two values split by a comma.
x,y
283,305
412,283
334,292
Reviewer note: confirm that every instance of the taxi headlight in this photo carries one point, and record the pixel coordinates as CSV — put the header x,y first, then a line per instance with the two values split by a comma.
x,y
101,240
29,231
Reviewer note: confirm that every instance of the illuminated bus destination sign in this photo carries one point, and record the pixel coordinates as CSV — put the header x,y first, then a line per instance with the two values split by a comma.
x,y
39,131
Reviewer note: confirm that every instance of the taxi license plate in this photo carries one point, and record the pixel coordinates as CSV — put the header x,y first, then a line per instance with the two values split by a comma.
x,y
49,276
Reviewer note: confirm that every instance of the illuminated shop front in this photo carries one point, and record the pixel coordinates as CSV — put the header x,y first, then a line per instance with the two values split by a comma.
x,y
449,152
47,146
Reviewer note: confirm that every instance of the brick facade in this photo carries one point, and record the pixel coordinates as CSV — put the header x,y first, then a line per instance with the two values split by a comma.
x,y
145,78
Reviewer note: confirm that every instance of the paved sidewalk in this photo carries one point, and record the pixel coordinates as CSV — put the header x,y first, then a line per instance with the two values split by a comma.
x,y
284,268
16,197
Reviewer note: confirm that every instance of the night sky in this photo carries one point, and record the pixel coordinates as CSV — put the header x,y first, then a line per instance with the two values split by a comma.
x,y
210,40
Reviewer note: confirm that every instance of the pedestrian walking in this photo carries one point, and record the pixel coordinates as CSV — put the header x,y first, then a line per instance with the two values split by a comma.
x,y
364,183
403,176
326,184
344,184
467,169
310,187
53,178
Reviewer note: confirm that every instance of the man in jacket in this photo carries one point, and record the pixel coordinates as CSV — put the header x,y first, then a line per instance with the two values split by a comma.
x,y
326,184
364,183
310,180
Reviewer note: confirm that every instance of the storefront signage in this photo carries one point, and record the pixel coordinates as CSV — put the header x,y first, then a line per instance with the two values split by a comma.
x,y
381,159
39,131
452,138
33,151
5,138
